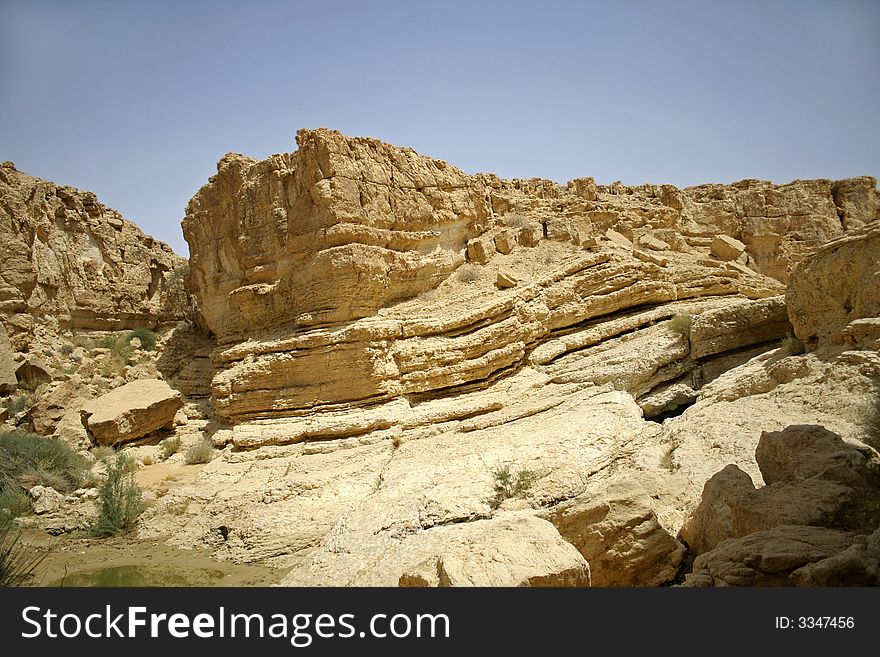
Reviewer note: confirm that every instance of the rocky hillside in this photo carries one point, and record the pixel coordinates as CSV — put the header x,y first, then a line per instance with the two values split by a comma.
x,y
421,377
71,263
425,377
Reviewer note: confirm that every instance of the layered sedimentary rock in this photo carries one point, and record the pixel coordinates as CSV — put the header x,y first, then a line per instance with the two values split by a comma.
x,y
392,333
326,274
70,262
837,286
130,411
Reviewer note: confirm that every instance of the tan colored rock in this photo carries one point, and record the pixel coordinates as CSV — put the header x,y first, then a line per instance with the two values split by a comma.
x,y
513,550
45,499
70,430
812,476
72,259
55,401
131,411
653,243
506,279
531,234
727,248
773,557
8,381
480,250
505,242
618,238
33,372
558,229
835,285
618,534
738,324
653,258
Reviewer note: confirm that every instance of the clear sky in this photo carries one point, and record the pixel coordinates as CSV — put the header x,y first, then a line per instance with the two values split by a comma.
x,y
137,101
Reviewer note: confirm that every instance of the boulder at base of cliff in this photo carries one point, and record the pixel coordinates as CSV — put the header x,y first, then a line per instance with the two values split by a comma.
x,y
131,411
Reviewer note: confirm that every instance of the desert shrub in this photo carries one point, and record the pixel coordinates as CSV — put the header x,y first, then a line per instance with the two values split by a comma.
x,y
515,220
14,502
682,324
507,484
176,277
201,452
146,336
469,273
102,452
119,499
120,353
170,447
792,345
20,402
28,460
66,349
17,563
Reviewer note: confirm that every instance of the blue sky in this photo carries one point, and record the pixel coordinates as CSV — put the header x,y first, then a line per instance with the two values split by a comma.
x,y
137,101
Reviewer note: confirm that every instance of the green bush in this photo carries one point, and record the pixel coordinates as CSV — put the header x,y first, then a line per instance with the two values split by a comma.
x,y
20,402
507,484
119,499
14,502
682,324
67,349
27,460
17,563
147,337
170,447
201,452
792,345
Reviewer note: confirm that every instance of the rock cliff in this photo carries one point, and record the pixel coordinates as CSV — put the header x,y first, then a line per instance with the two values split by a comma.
x,y
70,262
413,362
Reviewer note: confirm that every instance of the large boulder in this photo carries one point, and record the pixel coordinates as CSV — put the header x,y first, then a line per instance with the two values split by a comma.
x,y
836,285
618,533
131,411
813,478
791,555
513,550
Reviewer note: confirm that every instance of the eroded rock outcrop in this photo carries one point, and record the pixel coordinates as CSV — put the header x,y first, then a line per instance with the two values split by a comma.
x,y
131,411
70,262
833,289
812,523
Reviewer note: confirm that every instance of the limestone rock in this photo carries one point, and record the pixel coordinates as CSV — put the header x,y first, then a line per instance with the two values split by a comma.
x,y
513,550
653,243
531,234
33,372
727,248
45,499
783,556
55,401
505,242
506,279
812,476
480,250
8,380
618,238
558,229
837,284
69,258
131,411
618,534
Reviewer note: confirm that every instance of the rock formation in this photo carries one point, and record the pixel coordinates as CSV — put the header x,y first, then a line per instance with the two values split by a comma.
x,y
131,411
70,262
421,377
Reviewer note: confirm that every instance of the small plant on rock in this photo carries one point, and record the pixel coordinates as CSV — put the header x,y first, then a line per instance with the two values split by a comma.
x,y
682,324
147,338
469,273
119,499
201,452
508,484
792,345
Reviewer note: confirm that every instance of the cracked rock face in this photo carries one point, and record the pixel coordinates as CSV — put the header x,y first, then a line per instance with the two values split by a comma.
x,y
392,332
70,262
